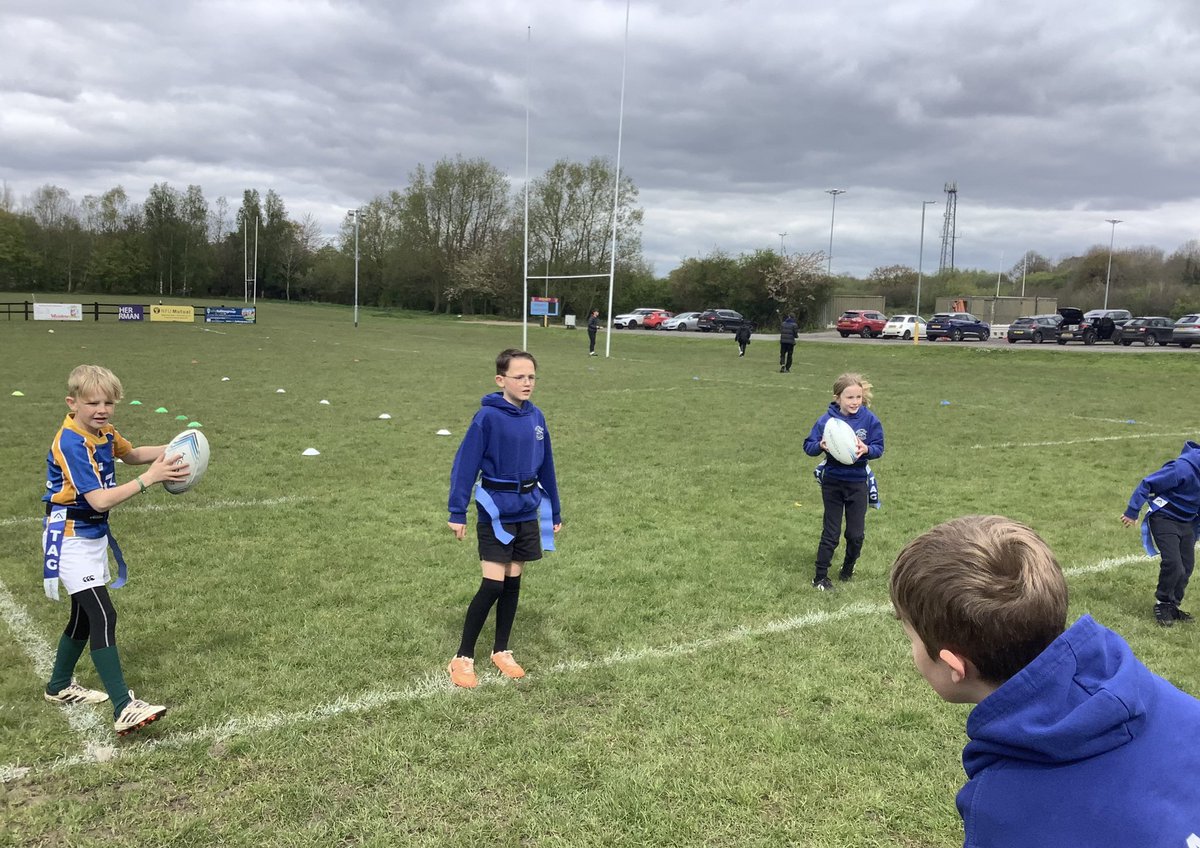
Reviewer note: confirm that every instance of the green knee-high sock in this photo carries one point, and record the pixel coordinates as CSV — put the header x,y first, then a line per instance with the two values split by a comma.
x,y
108,665
69,652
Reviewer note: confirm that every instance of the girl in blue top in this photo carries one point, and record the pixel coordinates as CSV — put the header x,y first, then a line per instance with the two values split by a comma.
x,y
844,488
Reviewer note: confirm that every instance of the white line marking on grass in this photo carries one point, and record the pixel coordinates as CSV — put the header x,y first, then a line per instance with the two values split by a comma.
x,y
434,683
87,725
1082,441
185,507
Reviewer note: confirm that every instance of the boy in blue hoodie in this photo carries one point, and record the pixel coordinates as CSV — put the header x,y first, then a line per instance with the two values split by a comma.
x,y
845,488
517,504
1170,528
1073,742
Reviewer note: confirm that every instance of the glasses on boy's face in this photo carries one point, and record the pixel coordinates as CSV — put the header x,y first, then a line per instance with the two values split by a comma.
x,y
521,378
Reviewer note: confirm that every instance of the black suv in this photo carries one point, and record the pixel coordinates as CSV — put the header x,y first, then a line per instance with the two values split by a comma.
x,y
1151,330
1097,325
721,321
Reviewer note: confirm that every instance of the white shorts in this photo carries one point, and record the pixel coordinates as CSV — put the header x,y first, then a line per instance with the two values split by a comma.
x,y
83,563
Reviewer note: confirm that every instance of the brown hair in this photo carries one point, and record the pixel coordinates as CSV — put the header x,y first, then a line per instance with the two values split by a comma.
x,y
983,586
507,356
87,378
849,379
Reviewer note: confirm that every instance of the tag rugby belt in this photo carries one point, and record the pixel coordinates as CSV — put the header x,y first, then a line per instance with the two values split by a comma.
x,y
55,525
524,487
75,513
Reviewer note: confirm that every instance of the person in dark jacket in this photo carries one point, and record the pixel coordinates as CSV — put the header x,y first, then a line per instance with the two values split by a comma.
x,y
742,337
787,343
1170,528
593,326
1074,743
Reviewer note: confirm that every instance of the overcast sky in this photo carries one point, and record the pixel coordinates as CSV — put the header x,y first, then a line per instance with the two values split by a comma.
x,y
1051,115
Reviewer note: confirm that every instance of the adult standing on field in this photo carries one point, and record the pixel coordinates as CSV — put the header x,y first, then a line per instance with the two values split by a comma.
x,y
787,343
593,326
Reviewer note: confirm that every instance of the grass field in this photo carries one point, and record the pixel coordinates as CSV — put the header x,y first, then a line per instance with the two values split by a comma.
x,y
686,685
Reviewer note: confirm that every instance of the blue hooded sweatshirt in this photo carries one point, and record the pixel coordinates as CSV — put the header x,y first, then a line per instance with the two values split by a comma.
x,y
1083,748
1177,482
509,444
865,425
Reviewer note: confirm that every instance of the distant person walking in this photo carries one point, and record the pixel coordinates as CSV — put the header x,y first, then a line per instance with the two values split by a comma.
x,y
787,343
593,326
742,338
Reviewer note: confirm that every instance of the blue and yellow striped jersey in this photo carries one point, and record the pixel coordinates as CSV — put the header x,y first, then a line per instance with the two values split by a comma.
x,y
78,463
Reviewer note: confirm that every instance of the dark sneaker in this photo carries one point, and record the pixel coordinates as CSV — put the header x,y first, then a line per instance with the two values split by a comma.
x,y
823,584
1181,616
846,574
1164,614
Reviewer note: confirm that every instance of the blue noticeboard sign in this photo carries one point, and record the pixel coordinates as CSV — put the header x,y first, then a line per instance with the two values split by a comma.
x,y
229,315
131,312
543,306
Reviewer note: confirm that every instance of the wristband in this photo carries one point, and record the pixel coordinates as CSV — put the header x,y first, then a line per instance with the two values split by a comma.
x,y
141,485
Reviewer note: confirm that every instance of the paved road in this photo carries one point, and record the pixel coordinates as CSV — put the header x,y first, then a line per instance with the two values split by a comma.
x,y
832,337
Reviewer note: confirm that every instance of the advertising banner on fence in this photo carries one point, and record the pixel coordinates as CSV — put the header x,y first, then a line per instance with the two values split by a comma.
x,y
229,314
58,312
131,312
159,312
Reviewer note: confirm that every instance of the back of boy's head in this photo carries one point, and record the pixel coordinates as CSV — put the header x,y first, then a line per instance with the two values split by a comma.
x,y
507,356
86,379
982,586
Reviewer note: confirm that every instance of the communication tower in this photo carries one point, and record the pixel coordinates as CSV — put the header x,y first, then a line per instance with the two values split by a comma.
x,y
949,227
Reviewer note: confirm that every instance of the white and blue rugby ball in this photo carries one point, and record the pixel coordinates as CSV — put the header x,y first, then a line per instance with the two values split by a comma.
x,y
194,447
840,441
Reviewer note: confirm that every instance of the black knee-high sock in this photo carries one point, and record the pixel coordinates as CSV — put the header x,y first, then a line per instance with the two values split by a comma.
x,y
477,613
506,611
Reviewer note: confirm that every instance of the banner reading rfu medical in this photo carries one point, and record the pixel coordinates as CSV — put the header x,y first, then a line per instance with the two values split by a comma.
x,y
161,312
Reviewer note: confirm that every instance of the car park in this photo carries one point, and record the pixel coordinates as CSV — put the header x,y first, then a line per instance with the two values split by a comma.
x,y
682,321
1033,328
903,327
1096,325
957,325
861,322
1186,331
720,321
655,320
633,320
1150,330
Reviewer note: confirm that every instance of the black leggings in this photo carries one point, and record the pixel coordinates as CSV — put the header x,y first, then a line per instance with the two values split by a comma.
x,y
842,496
93,616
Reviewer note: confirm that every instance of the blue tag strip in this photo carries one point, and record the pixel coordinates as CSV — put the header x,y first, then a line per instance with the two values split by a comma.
x,y
122,569
872,486
56,525
545,519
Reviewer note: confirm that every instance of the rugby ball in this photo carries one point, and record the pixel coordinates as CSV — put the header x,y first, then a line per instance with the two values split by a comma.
x,y
194,449
840,441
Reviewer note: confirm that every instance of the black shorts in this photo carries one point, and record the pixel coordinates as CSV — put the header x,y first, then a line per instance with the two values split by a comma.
x,y
526,545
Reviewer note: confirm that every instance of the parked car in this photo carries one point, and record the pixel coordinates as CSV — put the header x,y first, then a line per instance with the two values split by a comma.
x,y
634,319
1186,331
903,327
1150,330
682,321
862,322
720,321
1096,325
1033,328
956,325
655,320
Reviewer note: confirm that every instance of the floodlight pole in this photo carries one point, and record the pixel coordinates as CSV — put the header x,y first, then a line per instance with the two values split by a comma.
x,y
832,212
357,214
1108,277
1024,268
782,252
921,255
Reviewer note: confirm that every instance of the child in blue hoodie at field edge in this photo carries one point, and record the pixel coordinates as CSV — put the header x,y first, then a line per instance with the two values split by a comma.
x,y
844,488
508,442
1074,743
1170,528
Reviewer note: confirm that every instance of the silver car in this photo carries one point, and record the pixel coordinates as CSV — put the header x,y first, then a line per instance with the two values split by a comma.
x,y
1187,330
682,321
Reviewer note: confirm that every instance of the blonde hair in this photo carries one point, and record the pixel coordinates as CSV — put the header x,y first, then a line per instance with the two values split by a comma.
x,y
983,586
88,378
849,379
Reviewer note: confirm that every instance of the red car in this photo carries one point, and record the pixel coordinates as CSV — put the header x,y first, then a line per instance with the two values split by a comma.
x,y
864,322
654,320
